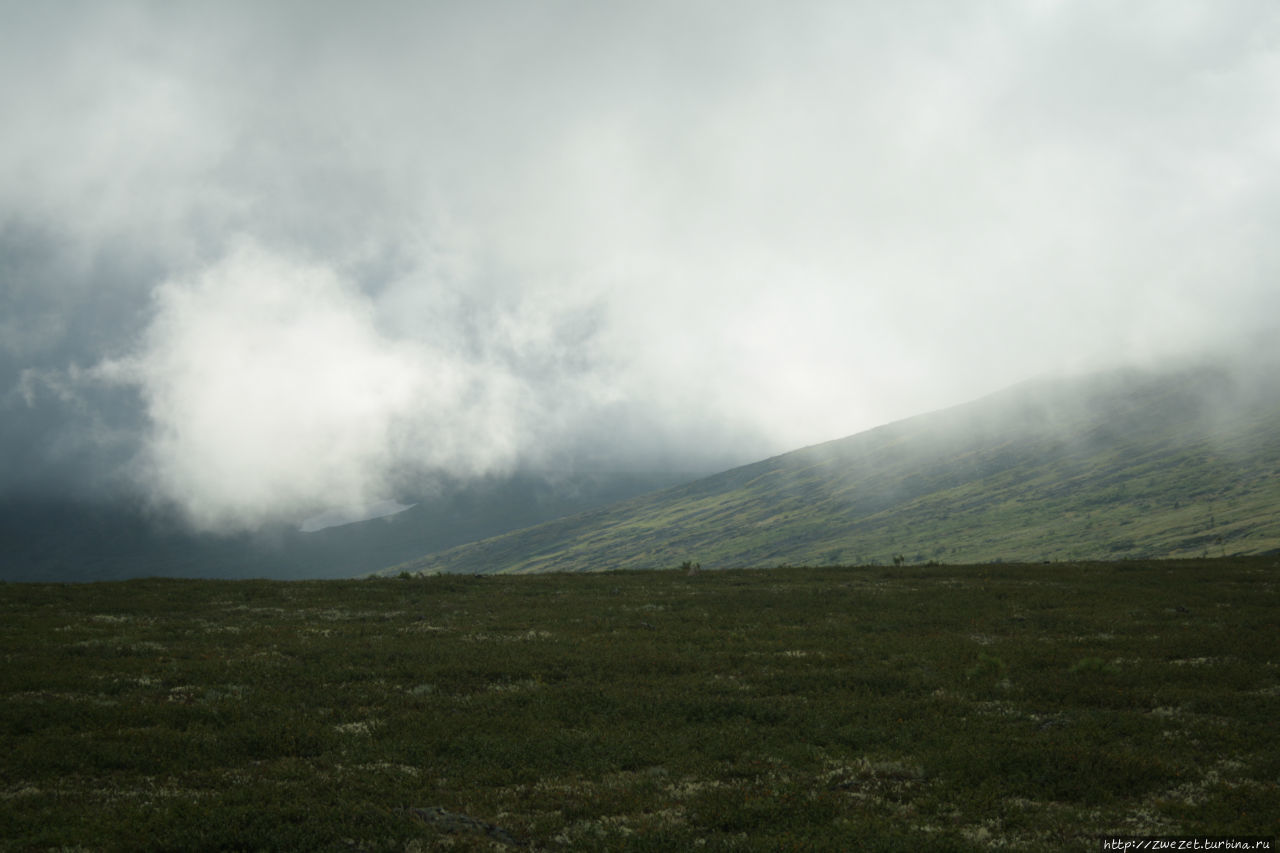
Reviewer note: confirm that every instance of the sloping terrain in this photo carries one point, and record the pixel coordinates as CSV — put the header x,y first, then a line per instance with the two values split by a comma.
x,y
1111,466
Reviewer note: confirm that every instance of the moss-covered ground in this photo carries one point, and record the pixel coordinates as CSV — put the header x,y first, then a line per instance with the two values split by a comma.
x,y
936,708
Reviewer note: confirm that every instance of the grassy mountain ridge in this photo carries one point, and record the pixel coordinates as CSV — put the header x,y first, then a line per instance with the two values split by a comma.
x,y
1118,465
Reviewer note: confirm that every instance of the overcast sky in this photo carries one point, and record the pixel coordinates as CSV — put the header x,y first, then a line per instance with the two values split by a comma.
x,y
257,258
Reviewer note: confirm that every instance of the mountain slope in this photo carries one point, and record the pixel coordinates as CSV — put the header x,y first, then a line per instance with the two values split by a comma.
x,y
1113,466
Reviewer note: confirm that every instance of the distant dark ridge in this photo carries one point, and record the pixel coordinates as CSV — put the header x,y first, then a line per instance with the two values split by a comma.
x,y
54,540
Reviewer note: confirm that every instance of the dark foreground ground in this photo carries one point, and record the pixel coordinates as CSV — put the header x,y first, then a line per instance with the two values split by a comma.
x,y
943,708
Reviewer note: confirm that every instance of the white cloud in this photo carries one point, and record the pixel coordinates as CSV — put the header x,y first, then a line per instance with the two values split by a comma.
x,y
271,391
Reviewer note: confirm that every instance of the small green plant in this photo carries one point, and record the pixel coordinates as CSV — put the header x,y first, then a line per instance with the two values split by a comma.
x,y
1094,664
988,666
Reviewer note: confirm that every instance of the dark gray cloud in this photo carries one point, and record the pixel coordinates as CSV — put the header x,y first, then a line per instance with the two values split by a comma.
x,y
257,257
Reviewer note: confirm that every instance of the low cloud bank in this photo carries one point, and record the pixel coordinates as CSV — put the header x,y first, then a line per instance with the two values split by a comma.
x,y
270,390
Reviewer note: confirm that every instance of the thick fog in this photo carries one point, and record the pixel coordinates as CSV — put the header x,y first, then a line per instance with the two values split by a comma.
x,y
261,258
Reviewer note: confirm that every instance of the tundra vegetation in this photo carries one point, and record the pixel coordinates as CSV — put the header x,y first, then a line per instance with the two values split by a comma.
x,y
874,708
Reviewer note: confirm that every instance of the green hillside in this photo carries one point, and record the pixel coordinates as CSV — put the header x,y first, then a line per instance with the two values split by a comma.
x,y
1114,466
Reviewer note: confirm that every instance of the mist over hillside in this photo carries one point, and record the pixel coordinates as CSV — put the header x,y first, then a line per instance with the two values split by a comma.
x,y
501,237
1125,464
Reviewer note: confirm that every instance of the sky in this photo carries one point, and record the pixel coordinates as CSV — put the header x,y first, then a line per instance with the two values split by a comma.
x,y
259,259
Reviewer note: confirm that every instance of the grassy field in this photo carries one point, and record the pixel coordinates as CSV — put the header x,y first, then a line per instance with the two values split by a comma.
x,y
931,708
